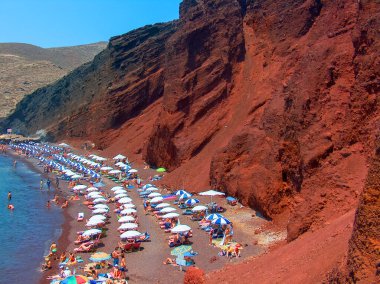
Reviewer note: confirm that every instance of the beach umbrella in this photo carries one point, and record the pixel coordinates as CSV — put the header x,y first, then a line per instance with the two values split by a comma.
x,y
100,200
185,196
99,184
191,201
76,176
156,199
214,216
180,229
114,172
132,171
101,206
91,232
97,217
161,170
221,221
152,189
75,279
94,194
106,168
147,186
100,256
154,194
128,211
79,187
129,205
117,187
211,193
162,205
128,226
100,211
167,210
181,191
119,191
125,200
64,145
91,189
130,235
199,208
126,219
181,250
170,215
94,222
119,157
121,195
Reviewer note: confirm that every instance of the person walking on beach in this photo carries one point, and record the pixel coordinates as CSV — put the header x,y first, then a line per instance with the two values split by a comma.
x,y
48,182
9,196
57,181
115,256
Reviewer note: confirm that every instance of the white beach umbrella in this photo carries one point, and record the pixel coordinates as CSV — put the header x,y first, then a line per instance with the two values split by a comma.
x,y
147,186
76,176
126,219
132,171
100,211
130,235
129,205
94,222
162,205
97,217
119,157
121,195
125,200
170,215
100,200
154,194
211,193
94,194
156,199
128,226
117,187
119,191
91,189
167,210
128,211
114,172
152,189
101,206
106,168
180,229
91,232
199,208
79,187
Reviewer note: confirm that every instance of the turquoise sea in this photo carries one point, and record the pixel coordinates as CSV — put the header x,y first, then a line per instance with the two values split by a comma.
x,y
27,232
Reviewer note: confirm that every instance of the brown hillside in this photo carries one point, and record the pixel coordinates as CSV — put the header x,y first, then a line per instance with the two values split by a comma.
x,y
25,68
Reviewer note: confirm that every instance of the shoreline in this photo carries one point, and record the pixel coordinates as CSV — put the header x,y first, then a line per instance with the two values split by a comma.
x,y
63,240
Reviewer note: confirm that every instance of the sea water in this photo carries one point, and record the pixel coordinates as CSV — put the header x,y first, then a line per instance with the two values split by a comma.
x,y
26,232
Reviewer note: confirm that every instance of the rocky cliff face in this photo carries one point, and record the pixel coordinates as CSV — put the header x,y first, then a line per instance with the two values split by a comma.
x,y
273,102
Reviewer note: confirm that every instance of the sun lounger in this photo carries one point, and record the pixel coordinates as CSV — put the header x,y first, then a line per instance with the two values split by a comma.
x,y
231,201
80,216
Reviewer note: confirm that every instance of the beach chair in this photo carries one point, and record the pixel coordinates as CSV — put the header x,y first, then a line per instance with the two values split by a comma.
x,y
136,246
231,201
187,212
80,217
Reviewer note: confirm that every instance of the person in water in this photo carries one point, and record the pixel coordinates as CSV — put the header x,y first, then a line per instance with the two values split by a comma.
x,y
48,204
65,204
14,163
10,207
48,182
9,196
41,184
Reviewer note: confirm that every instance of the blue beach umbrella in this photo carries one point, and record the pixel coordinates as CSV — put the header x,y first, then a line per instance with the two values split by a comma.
x,y
221,221
214,216
191,201
181,191
99,184
185,196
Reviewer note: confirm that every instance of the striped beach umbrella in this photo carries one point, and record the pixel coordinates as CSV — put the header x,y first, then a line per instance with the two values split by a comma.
x,y
221,221
75,279
214,216
185,196
191,201
181,191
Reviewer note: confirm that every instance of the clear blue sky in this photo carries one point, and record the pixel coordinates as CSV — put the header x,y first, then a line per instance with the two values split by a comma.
x,y
53,23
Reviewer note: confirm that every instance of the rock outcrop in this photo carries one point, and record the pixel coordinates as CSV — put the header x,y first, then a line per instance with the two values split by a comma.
x,y
273,102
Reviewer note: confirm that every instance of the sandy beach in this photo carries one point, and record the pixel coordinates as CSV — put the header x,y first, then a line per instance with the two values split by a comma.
x,y
146,266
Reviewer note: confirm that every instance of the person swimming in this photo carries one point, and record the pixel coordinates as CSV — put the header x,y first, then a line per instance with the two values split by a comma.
x,y
48,204
9,196
10,207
